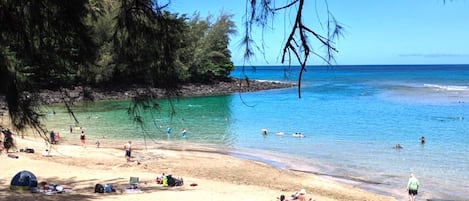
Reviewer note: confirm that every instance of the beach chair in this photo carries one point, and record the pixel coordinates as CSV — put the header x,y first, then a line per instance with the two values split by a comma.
x,y
133,182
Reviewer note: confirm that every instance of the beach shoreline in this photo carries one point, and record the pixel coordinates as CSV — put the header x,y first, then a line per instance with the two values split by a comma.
x,y
219,175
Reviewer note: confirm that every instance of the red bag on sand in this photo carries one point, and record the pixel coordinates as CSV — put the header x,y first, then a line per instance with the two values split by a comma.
x,y
193,184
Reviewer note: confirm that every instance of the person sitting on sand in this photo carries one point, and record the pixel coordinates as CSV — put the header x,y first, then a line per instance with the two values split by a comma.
x,y
46,153
298,196
43,186
302,196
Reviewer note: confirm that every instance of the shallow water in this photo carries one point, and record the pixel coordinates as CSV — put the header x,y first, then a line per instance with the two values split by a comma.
x,y
351,117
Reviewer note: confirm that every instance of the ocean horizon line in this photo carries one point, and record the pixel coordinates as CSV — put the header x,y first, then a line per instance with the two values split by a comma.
x,y
327,65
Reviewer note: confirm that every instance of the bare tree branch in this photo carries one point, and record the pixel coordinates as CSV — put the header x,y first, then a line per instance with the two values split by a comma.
x,y
297,41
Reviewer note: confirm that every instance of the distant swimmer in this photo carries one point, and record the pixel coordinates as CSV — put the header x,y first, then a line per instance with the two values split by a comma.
x,y
298,135
184,132
264,131
422,140
398,146
168,130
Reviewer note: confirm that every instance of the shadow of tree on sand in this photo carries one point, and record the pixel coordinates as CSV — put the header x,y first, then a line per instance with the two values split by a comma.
x,y
80,193
82,190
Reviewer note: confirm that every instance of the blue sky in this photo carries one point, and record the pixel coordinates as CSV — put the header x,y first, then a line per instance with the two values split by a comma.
x,y
376,32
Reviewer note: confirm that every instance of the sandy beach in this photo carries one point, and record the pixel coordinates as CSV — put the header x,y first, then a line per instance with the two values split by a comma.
x,y
218,176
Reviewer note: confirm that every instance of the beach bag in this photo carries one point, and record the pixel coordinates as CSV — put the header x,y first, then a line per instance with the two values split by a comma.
x,y
171,181
99,188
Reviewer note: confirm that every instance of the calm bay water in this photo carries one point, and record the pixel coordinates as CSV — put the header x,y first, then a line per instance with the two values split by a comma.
x,y
351,117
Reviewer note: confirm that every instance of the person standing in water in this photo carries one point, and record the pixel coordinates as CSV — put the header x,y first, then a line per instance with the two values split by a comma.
x,y
168,130
184,132
412,186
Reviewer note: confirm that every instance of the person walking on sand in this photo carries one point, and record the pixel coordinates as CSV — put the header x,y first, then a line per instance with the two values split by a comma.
x,y
128,151
57,138
82,139
52,136
412,186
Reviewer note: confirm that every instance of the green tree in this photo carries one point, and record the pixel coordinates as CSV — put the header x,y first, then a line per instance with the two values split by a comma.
x,y
146,41
101,19
213,56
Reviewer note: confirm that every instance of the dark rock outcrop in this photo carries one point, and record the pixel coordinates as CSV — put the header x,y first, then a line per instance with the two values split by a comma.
x,y
189,90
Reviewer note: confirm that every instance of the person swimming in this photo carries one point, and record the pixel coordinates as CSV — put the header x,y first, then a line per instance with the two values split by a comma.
x,y
298,135
422,140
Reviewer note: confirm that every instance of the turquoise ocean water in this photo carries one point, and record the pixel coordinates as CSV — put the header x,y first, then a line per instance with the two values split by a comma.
x,y
351,117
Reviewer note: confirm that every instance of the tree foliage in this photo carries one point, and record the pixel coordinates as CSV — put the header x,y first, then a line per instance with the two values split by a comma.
x,y
44,44
213,57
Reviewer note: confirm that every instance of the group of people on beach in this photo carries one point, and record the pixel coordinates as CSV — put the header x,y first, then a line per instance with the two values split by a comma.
x,y
298,196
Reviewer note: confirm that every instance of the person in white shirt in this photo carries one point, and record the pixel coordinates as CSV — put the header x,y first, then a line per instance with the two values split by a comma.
x,y
128,151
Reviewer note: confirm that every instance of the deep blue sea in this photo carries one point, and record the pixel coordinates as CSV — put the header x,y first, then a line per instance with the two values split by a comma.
x,y
351,117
